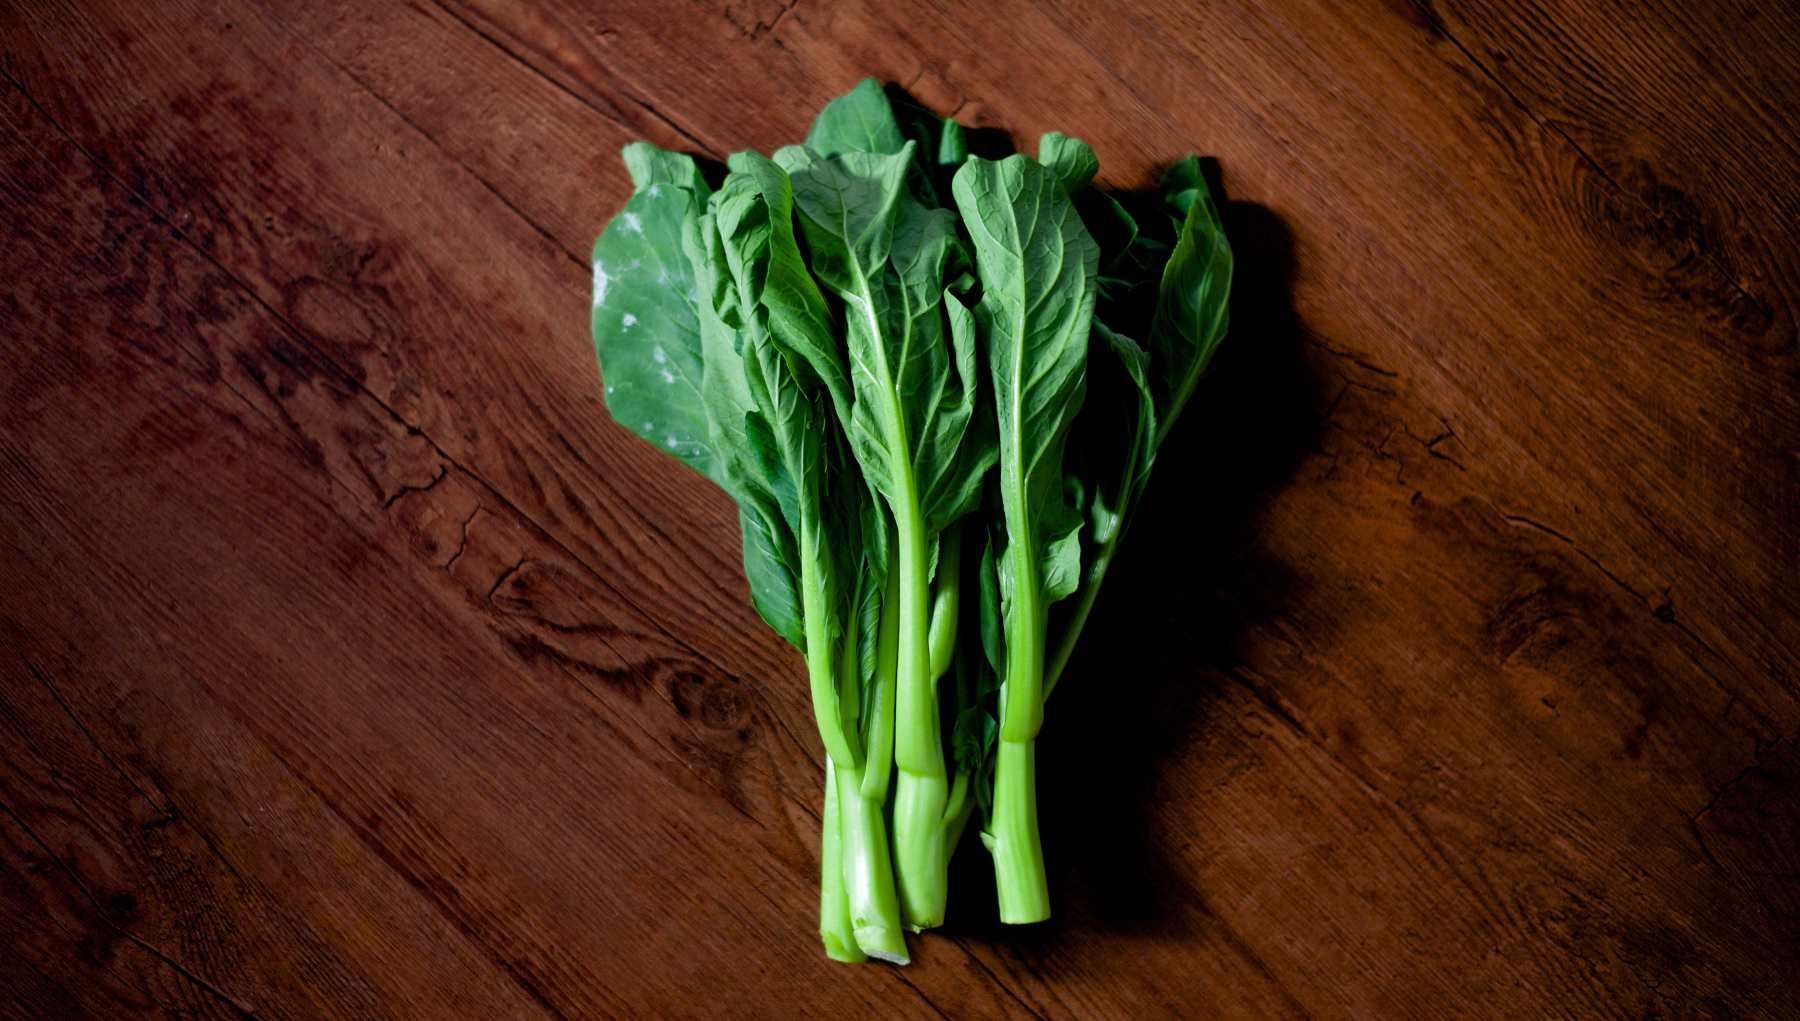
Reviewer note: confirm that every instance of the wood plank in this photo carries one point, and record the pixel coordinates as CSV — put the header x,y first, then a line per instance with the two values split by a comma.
x,y
1688,110
1481,702
380,757
318,226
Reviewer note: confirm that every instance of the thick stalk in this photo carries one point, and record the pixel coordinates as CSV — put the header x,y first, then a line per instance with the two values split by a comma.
x,y
1012,836
821,669
1022,694
835,929
923,786
868,872
1013,833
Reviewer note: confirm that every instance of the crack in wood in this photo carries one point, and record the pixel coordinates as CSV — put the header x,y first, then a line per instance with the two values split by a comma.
x,y
463,543
405,488
1522,521
586,101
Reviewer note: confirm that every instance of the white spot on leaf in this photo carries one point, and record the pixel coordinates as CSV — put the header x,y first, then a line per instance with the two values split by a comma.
x,y
668,377
661,356
655,190
633,224
672,441
601,282
628,321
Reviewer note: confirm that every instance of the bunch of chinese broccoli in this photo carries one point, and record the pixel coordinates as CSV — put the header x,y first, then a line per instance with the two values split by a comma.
x,y
935,384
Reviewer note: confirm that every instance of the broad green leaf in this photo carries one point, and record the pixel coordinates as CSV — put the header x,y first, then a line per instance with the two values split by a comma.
x,y
1037,265
771,565
645,319
1070,159
866,120
911,350
1192,302
788,459
798,319
650,166
861,120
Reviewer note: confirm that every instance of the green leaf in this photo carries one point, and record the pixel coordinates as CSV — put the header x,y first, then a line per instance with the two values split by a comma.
x,y
972,739
1192,302
645,319
910,344
771,565
785,459
953,144
1115,230
1070,159
940,147
649,166
1136,393
861,120
993,640
1037,264
1131,423
773,275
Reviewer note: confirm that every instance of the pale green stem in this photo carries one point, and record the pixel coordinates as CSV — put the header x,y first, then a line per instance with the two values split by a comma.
x,y
868,873
1012,837
835,930
816,612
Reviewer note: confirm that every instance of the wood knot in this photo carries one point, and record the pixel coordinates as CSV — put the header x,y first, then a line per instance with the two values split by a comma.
x,y
715,702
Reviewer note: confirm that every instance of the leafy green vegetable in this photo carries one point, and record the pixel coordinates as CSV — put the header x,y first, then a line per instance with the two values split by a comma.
x,y
1037,265
892,264
645,320
935,386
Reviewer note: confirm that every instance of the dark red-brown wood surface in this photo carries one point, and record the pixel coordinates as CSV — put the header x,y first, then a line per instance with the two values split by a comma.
x,y
353,664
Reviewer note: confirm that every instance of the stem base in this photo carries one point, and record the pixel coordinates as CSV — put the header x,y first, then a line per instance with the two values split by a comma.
x,y
868,872
921,848
1013,838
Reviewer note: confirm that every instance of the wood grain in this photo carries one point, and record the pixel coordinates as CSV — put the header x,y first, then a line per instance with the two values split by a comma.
x,y
356,665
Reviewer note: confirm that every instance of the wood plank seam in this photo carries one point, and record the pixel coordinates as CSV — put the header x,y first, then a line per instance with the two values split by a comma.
x,y
409,122
381,852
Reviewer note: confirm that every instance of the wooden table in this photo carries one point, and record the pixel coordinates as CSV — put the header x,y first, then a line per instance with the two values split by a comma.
x,y
353,664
